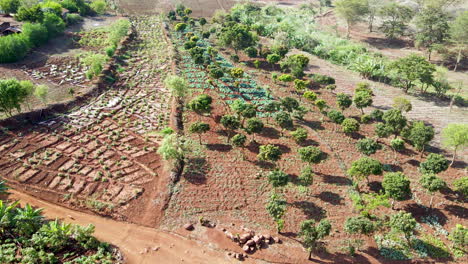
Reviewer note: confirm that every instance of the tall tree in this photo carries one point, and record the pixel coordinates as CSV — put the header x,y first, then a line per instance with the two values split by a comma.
x,y
352,11
432,184
12,95
432,27
397,186
312,233
237,36
276,207
404,223
459,35
395,19
455,136
408,70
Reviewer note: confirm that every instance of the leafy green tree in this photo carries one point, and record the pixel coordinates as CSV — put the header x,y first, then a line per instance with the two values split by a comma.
x,y
374,6
352,11
299,135
394,121
311,233
310,96
343,101
461,185
321,104
251,52
12,95
254,126
272,107
359,225
402,104
434,163
180,27
201,104
404,223
285,78
455,136
216,72
367,146
35,33
432,184
300,85
336,117
231,123
178,86
289,104
41,92
362,99
432,27
395,19
397,186
269,153
296,64
54,24
99,6
310,154
278,178
239,140
237,36
459,35
273,59
350,125
284,120
243,110
199,128
32,14
459,236
306,177
13,47
202,21
276,207
410,69
364,167
9,6
420,135
174,147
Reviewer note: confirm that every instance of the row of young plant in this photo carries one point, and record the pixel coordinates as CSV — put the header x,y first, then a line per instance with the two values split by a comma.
x,y
294,28
43,20
26,236
390,122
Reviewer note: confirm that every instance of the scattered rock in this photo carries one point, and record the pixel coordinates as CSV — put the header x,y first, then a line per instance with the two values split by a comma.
x,y
188,227
276,239
250,243
246,249
244,237
156,248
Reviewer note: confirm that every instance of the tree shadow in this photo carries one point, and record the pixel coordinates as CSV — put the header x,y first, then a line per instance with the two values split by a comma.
x,y
337,180
284,149
309,142
418,211
316,125
385,43
195,171
219,147
330,197
337,257
311,210
375,186
459,164
264,164
458,211
413,162
270,132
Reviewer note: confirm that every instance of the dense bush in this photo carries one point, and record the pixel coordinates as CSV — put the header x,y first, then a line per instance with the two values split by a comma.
x,y
13,47
99,6
434,163
368,146
35,33
54,24
461,185
350,125
323,79
72,19
32,14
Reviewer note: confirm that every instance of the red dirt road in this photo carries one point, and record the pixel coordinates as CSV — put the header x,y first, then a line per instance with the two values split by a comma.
x,y
137,243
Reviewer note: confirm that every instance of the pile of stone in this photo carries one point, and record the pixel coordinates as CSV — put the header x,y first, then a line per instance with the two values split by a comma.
x,y
250,242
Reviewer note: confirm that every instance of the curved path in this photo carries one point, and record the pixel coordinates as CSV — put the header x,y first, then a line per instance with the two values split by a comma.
x,y
138,244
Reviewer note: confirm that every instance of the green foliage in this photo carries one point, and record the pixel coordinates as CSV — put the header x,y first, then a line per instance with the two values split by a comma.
x,y
73,19
312,233
276,207
278,178
336,116
296,64
420,135
13,47
285,78
32,14
237,36
12,94
99,6
230,122
397,144
434,163
216,72
180,26
254,125
299,135
364,167
323,79
199,128
411,69
9,6
367,202
306,177
54,24
455,136
251,52
310,154
396,185
269,153
273,58
350,125
432,27
117,31
461,185
343,101
35,33
309,95
239,140
404,223
289,104
395,19
237,72
362,99
284,120
173,147
394,121
321,104
200,104
377,115
432,183
95,63
368,146
300,85
352,11
177,85
41,93
459,236
402,104
359,225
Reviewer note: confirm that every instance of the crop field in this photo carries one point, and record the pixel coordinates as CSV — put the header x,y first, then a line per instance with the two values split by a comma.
x,y
99,156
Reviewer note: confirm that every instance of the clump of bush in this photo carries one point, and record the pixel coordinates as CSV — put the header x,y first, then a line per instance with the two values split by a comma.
x,y
323,79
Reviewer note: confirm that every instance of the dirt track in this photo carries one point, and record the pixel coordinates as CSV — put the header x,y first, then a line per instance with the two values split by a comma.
x,y
137,243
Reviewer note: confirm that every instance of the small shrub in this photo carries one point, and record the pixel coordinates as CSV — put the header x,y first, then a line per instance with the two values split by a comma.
x,y
377,115
323,79
365,119
330,87
397,144
285,78
235,58
368,146
299,135
461,186
251,52
13,47
350,125
35,33
434,163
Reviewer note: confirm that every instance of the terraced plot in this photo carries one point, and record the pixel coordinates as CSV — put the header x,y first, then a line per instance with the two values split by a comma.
x,y
101,156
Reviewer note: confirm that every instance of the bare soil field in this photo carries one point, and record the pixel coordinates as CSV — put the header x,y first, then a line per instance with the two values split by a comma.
x,y
99,157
